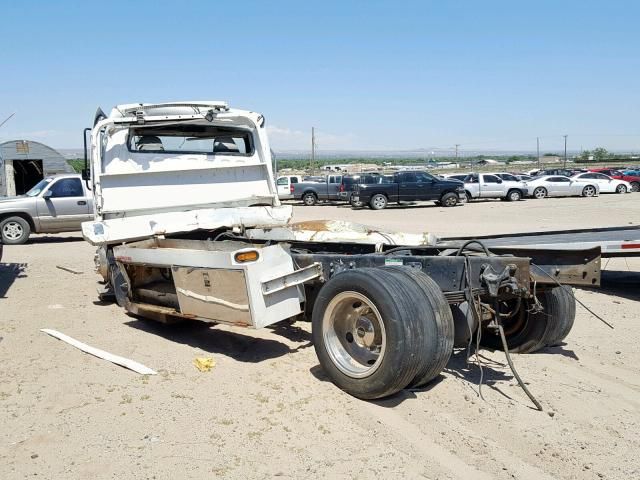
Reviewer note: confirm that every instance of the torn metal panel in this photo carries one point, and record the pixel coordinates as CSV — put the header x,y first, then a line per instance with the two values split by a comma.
x,y
118,230
96,352
340,231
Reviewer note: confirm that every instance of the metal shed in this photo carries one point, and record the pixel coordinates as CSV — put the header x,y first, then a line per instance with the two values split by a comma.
x,y
23,163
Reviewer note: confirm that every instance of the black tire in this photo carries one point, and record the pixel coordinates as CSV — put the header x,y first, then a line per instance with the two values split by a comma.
x,y
514,195
355,204
621,189
540,192
449,199
310,199
589,191
524,331
560,306
378,202
15,231
118,284
469,197
635,186
436,321
529,332
382,292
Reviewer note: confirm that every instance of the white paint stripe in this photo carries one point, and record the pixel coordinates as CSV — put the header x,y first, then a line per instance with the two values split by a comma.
x,y
96,352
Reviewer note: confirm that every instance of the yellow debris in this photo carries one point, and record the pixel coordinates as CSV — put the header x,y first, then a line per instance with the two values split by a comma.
x,y
204,364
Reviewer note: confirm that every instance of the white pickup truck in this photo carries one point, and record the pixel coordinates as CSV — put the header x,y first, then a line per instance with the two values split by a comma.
x,y
189,226
494,185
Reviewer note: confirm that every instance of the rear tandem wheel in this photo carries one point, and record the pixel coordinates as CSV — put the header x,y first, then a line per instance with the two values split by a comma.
x,y
379,330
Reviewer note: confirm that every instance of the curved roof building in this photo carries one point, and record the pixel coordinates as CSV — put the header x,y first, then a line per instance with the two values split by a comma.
x,y
23,163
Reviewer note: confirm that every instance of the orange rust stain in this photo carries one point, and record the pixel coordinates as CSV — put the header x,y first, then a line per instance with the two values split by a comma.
x,y
315,225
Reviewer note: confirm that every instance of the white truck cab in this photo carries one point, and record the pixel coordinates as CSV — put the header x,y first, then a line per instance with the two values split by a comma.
x,y
285,185
162,168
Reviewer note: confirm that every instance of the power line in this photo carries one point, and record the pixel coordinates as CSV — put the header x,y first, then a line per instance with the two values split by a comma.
x,y
7,119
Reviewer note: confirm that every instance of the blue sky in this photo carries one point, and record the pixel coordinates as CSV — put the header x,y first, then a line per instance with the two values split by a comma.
x,y
368,75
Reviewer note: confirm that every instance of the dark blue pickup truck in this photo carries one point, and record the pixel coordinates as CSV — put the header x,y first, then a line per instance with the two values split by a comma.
x,y
410,187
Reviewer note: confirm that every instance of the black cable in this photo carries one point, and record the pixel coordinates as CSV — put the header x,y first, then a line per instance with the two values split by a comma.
x,y
508,355
574,297
469,242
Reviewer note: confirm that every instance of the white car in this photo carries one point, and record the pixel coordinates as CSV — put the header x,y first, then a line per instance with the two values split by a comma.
x,y
560,186
605,182
285,184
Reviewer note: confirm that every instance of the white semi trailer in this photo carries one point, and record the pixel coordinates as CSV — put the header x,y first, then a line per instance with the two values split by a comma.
x,y
188,225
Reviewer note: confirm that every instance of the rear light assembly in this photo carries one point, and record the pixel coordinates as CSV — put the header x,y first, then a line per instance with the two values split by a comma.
x,y
342,187
291,188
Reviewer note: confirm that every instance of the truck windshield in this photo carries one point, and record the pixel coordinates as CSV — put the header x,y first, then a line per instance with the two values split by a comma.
x,y
39,187
191,139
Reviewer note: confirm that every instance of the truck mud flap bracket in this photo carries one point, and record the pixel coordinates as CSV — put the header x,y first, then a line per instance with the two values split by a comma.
x,y
298,277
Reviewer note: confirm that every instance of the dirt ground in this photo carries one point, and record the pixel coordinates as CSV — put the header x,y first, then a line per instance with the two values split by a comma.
x,y
266,409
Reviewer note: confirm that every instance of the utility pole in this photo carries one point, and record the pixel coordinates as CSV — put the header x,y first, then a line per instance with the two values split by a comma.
x,y
565,151
538,150
313,149
457,145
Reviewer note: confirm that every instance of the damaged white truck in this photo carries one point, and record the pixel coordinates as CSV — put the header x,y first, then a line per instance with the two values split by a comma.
x,y
189,226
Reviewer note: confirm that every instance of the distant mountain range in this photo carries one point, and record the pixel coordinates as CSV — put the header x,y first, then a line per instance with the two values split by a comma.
x,y
418,153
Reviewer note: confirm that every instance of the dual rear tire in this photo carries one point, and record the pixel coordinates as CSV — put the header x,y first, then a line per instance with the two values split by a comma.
x,y
379,330
528,330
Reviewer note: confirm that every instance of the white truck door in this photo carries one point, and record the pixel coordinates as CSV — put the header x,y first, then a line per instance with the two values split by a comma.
x,y
490,186
282,185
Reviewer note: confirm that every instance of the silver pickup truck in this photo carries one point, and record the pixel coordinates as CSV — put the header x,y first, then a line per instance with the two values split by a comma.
x,y
312,192
55,204
494,185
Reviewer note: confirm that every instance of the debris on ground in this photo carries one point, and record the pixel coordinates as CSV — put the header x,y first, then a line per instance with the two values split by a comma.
x,y
204,364
96,352
70,270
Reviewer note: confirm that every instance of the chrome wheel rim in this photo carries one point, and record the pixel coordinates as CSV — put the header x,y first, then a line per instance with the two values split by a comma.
x,y
379,201
635,187
589,191
354,334
450,202
309,199
540,193
515,196
622,189
12,231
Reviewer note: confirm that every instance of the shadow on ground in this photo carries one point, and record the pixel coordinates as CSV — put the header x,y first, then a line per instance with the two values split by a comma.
x,y
620,284
52,239
9,272
239,346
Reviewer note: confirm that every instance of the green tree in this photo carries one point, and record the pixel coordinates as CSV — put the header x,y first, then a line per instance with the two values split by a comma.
x,y
600,154
585,155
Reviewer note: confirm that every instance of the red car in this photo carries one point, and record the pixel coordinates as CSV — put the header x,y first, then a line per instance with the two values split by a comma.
x,y
634,180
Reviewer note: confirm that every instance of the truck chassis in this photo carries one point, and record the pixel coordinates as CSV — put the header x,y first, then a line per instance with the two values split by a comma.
x,y
384,317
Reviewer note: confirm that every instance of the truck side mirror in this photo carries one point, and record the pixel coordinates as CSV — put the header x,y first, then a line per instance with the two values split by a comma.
x,y
86,174
499,180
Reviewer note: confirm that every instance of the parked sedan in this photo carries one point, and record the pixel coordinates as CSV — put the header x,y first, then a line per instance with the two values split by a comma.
x,y
561,186
605,182
618,175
